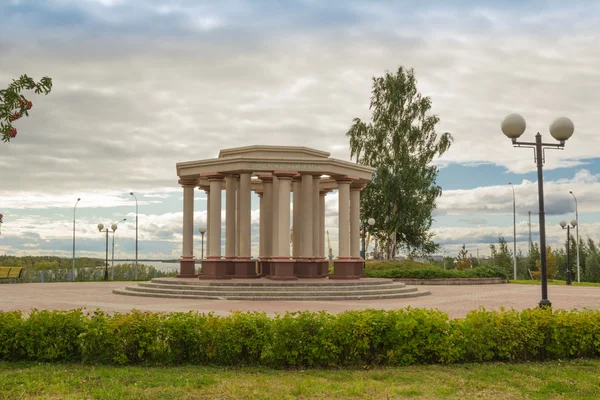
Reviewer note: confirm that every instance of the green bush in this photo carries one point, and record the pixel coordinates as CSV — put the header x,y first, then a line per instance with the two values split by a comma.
x,y
299,339
431,272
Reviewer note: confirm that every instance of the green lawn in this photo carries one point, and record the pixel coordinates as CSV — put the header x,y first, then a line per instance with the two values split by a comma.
x,y
578,379
554,282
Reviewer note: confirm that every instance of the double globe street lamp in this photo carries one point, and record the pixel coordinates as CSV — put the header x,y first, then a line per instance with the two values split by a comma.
x,y
513,126
101,229
563,224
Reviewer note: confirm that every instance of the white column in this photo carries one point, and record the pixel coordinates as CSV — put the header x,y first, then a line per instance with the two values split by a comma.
x,y
267,219
322,195
355,220
344,217
283,222
230,205
261,224
307,219
207,192
275,217
188,216
214,250
244,216
297,220
237,218
315,217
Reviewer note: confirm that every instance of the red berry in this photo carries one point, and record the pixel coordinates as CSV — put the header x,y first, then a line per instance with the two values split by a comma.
x,y
29,105
12,133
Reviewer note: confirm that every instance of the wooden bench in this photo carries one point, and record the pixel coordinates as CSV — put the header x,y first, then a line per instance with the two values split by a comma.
x,y
13,273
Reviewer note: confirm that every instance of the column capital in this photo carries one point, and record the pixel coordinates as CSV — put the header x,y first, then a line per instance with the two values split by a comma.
x,y
215,177
266,178
259,192
342,179
188,181
285,175
358,186
323,192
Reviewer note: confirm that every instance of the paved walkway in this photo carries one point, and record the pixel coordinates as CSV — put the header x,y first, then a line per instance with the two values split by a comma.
x,y
455,300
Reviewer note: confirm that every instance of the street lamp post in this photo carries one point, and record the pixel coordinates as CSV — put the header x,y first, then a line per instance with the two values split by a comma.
x,y
136,234
101,229
561,129
577,234
202,231
514,232
73,267
363,251
112,267
563,224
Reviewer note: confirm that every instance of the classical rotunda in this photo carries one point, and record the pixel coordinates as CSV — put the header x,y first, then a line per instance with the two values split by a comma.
x,y
281,176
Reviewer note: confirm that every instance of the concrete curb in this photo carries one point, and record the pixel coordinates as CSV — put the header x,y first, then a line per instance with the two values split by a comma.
x,y
452,281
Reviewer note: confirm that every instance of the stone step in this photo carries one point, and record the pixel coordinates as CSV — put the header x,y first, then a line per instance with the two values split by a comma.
x,y
263,282
303,288
283,298
271,293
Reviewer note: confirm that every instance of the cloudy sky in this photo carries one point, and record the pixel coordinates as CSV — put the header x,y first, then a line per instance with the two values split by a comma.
x,y
141,85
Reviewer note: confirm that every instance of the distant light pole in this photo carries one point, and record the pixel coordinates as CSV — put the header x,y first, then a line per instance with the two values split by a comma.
x,y
202,231
112,267
563,224
577,233
101,229
514,232
444,257
370,222
136,235
561,129
73,267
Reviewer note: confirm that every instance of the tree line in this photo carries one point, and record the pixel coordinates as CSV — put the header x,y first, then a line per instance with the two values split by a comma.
x,y
528,264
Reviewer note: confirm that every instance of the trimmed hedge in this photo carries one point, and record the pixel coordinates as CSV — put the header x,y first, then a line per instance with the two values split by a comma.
x,y
431,272
300,339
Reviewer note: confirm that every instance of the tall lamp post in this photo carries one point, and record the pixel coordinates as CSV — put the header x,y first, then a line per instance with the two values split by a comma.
x,y
577,234
112,267
363,251
136,235
561,129
101,229
563,224
514,232
202,231
73,267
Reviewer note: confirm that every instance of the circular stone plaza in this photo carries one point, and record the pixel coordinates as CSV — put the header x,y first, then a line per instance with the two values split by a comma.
x,y
290,272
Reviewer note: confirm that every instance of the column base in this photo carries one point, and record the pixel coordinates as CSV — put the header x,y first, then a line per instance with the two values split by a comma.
x,y
187,267
307,268
244,268
323,267
216,268
282,269
264,267
347,268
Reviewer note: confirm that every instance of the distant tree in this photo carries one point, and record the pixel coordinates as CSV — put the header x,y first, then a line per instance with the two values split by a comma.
x,y
463,260
400,142
592,263
14,105
502,257
551,265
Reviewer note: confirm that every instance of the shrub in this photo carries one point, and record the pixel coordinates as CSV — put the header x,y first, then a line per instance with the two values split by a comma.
x,y
300,339
432,272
